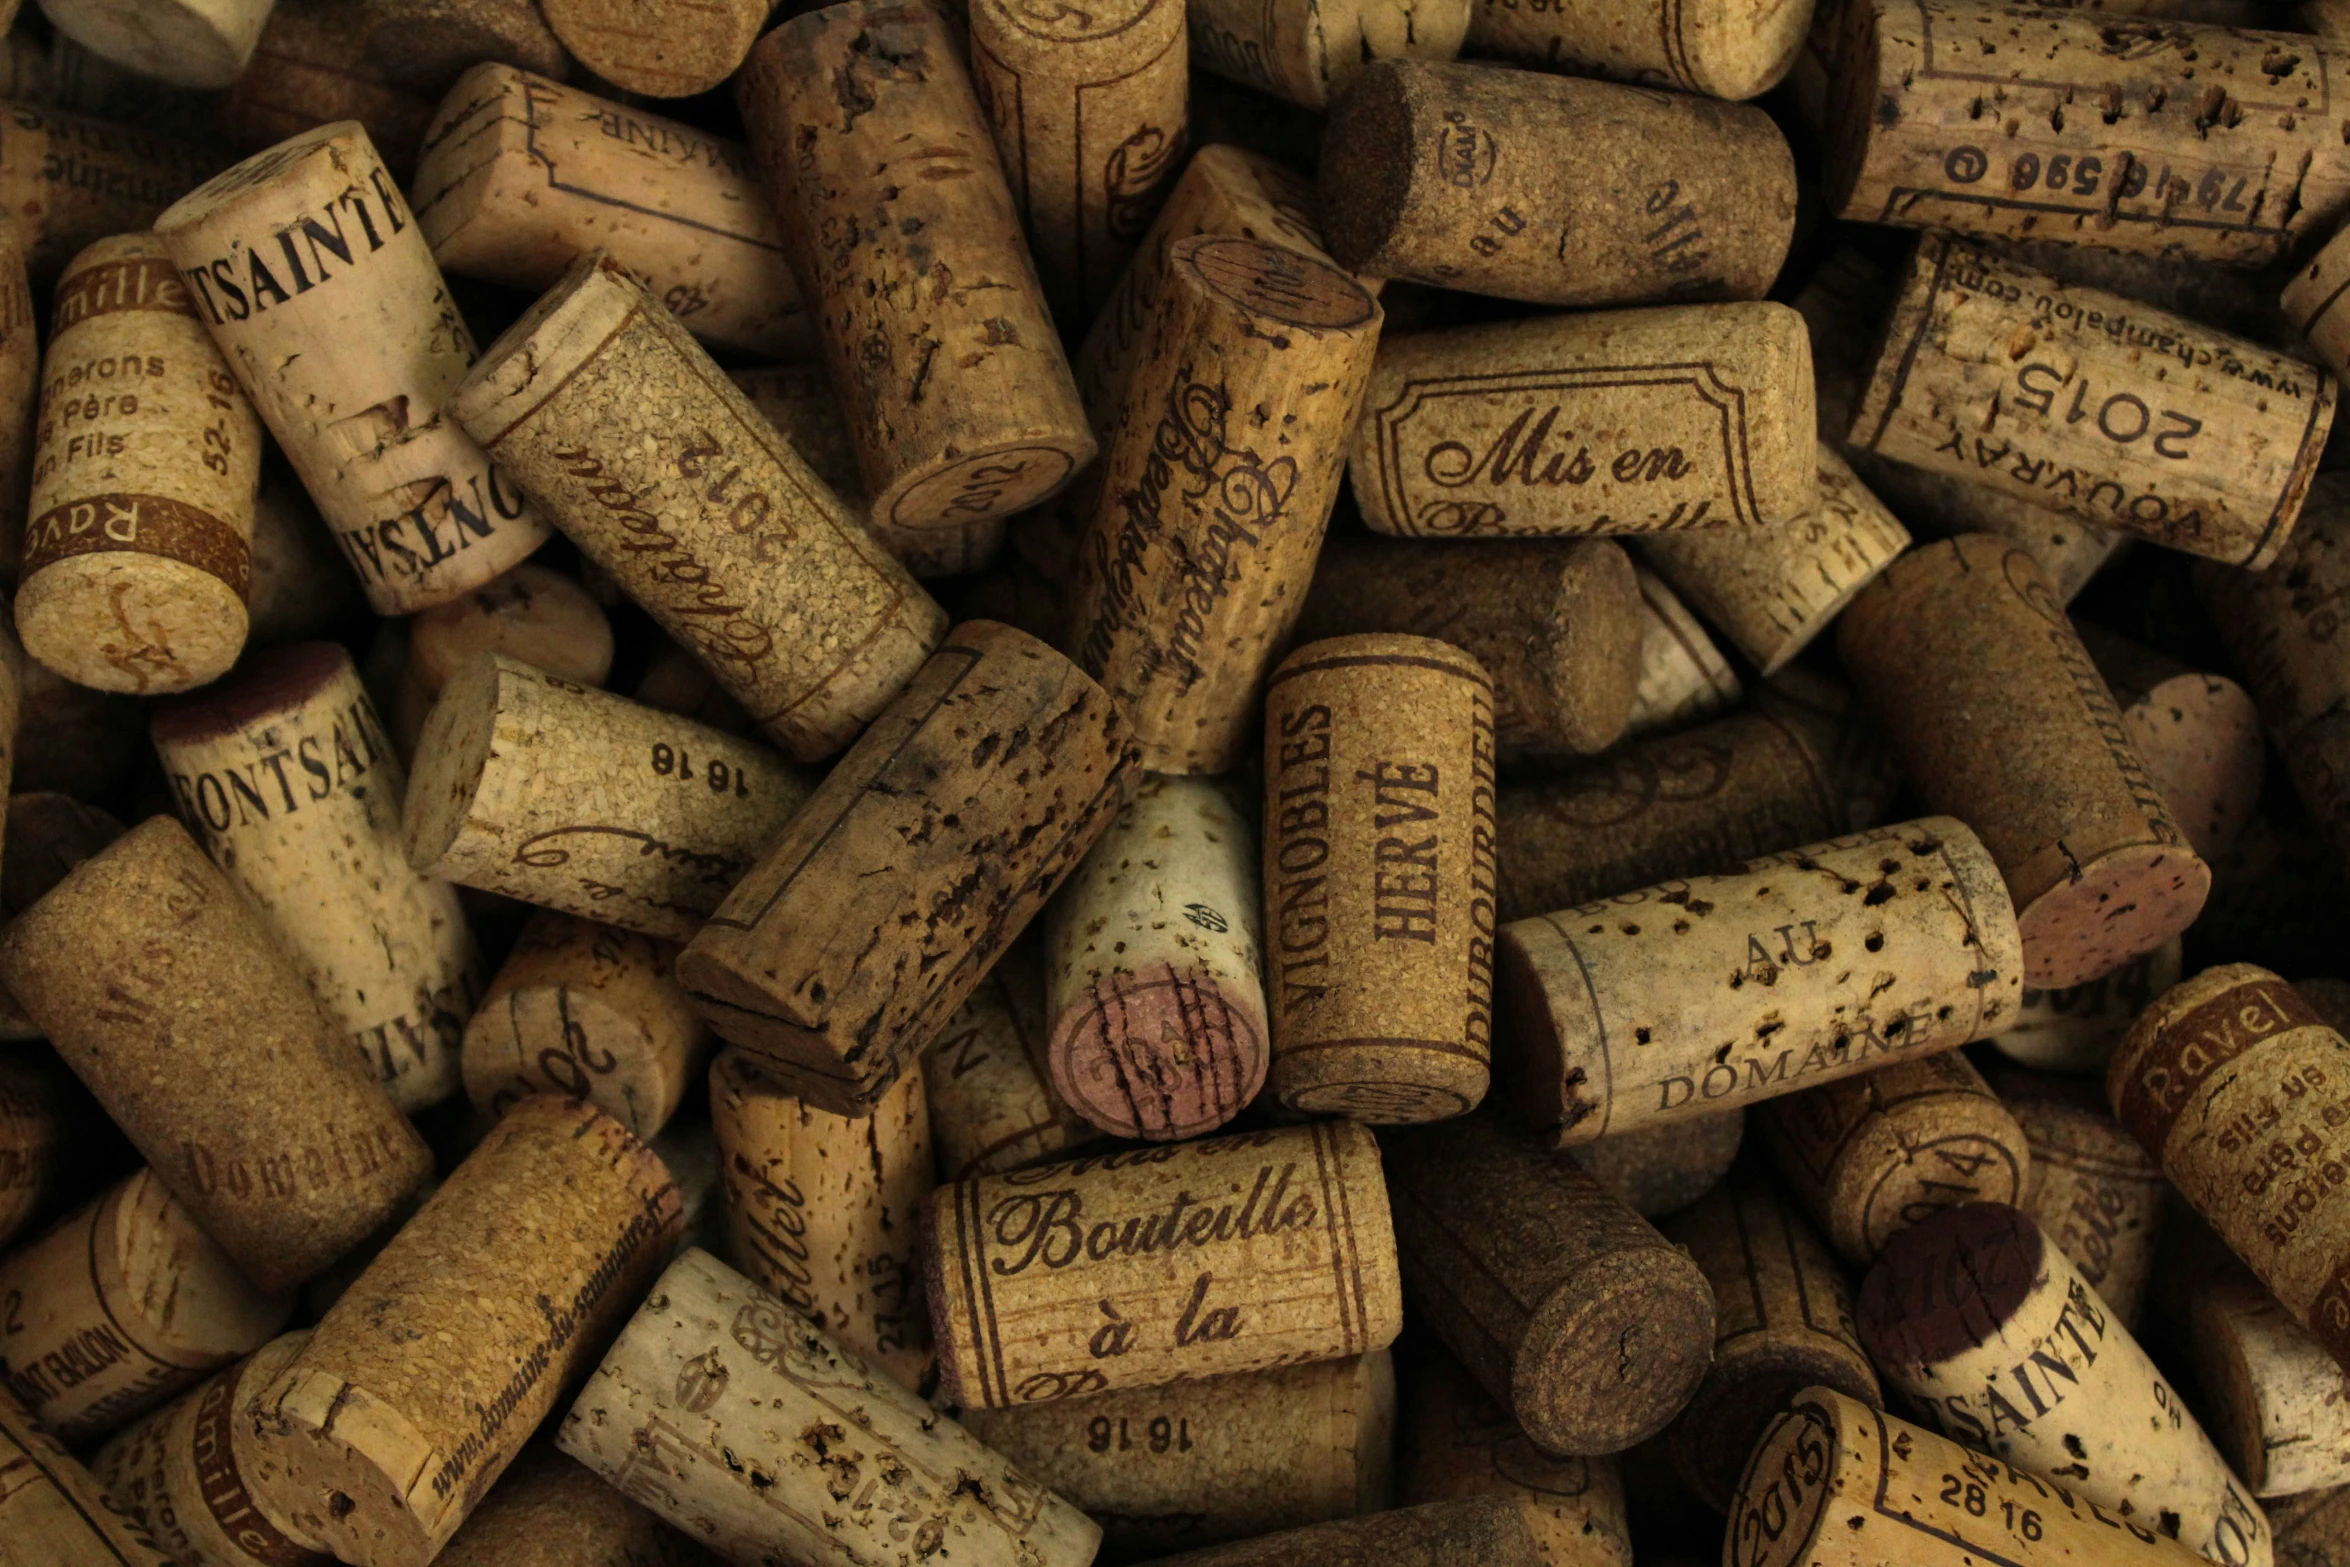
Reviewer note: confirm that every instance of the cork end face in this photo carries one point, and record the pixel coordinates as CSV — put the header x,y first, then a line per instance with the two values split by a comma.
x,y
1366,169
562,330
691,51
1711,1441
533,1039
1380,1083
2117,906
453,753
1589,664
272,682
139,625
973,491
1551,1092
532,613
1161,1055
341,144
342,1467
1615,1352
1280,285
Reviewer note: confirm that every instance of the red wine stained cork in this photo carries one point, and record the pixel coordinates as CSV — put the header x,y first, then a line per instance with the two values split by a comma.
x,y
1733,49
2075,1028
53,1511
2199,735
69,180
1253,1251
33,1138
548,1511
979,790
2313,303
885,178
2276,1401
992,1105
542,617
311,66
188,43
1379,878
424,1380
160,985
1683,675
20,378
1665,1168
2092,1190
798,400
664,54
1312,56
1999,718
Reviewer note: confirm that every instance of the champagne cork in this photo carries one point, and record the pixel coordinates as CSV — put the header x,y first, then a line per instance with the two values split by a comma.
x,y
956,390
377,1440
1191,573
2214,458
2198,734
992,1105
1832,959
1174,1468
798,400
1312,55
139,551
288,776
700,511
823,1210
589,1011
1782,1323
1556,623
548,1511
1733,49
1446,174
54,1512
1245,1253
313,66
1972,1307
540,617
69,180
2091,1189
2277,1402
1379,878
1494,1531
1998,717
162,987
2075,1028
20,385
430,44
188,43
1683,675
1663,1169
582,801
665,54
978,791
520,176
33,1136
300,586
1626,421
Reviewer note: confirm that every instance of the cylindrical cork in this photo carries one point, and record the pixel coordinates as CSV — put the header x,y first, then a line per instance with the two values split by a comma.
x,y
623,429
69,180
1191,573
2076,1027
33,1136
1828,960
2277,1402
139,552
1248,1252
896,212
1312,55
1683,675
1733,49
2213,458
586,1010
20,386
160,985
1782,1323
289,777
424,1380
1495,1531
2001,1344
352,383
798,400
1828,713
300,586
1555,622
1457,1443
824,1210
2092,1190
430,44
582,801
671,56
1663,1169
189,43
548,1511
312,66
1591,423
980,788
677,682
540,617
521,175
54,1512
992,1105
1197,1463
1379,878
1999,718
1154,968
47,835
1444,174
2198,734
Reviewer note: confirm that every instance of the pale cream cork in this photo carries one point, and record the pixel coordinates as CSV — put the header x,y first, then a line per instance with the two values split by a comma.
x,y
798,400
1311,54
312,66
20,388
1733,49
536,615
2198,734
188,43
54,1513
146,457
992,1105
548,1511
701,512
1684,676
68,180
2075,1028
578,800
301,586
667,53
2277,1402
2096,1195
1663,1169
33,1137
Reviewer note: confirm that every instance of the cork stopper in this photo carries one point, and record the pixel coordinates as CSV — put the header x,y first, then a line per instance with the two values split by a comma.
x,y
312,66
1683,676
1312,56
1665,1168
684,55
68,180
541,617
550,1512
189,43
430,45
1718,48
54,1509
2075,1028
1949,1284
33,1136
2271,1393
992,1105
2092,1190
798,400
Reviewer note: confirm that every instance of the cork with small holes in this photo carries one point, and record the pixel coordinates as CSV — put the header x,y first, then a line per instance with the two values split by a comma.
x,y
667,54
1734,49
992,1105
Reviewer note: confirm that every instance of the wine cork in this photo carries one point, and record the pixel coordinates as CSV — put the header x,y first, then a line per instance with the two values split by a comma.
x,y
2091,1189
189,43
1175,1468
2278,1406
1783,1322
1628,421
1379,878
672,54
798,400
957,395
313,66
515,1273
1734,49
589,1011
20,385
979,789
1253,1251
548,1511
54,1511
1500,1531
161,986
1663,1169
1830,716
582,801
430,45
539,617
1311,55
1998,717
2311,302
2199,735
288,776
992,1105
521,175
1683,675
47,835
1942,505
300,586
2075,1028
1556,623
701,512
1972,1307
69,180
1438,173
33,1136
677,682
823,1210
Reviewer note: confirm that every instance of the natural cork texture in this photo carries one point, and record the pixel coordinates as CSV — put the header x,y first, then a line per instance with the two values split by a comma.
x,y
1449,175
825,1210
1562,1302
619,424
33,1138
1243,1253
920,857
669,53
1312,55
121,1305
798,400
2276,1400
1198,1463
2001,1344
424,1380
548,1511
1621,421
1733,49
54,1512
738,1421
2313,303
1379,877
69,180
1219,470
159,984
521,175
188,43
2313,1528
2075,1028
992,1106
2095,1194
542,617
896,212
20,378
2068,397
1998,717
288,777
2198,734
47,834
1828,713
311,66
1556,623
1154,979
1683,676
430,44
587,802
1667,1167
